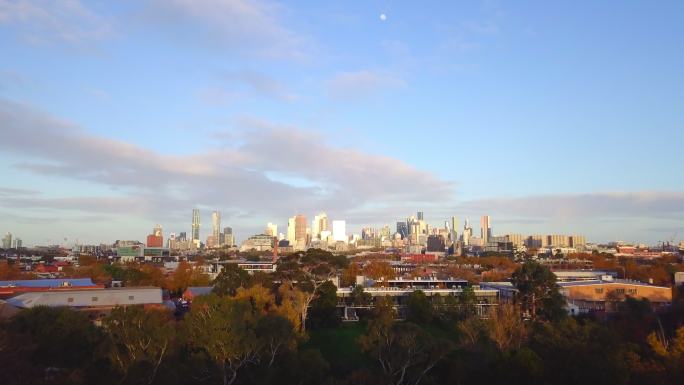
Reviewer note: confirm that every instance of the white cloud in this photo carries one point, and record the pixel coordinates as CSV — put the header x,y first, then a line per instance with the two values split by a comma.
x,y
47,21
236,178
249,26
348,85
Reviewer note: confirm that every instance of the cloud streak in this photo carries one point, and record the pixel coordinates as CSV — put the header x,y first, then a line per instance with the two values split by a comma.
x,y
251,175
350,85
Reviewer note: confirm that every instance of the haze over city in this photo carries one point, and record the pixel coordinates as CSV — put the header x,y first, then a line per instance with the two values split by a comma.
x,y
551,118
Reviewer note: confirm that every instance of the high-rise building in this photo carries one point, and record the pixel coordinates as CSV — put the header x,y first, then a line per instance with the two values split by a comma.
x,y
228,237
271,229
485,228
300,228
435,243
558,240
454,229
318,225
291,230
419,215
182,236
467,233
577,241
402,229
155,239
7,241
18,243
195,233
339,231
216,226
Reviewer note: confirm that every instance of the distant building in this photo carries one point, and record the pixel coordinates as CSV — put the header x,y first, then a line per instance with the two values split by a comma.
x,y
402,230
435,243
228,236
485,228
155,239
216,227
318,225
7,241
271,229
195,226
339,231
260,242
605,294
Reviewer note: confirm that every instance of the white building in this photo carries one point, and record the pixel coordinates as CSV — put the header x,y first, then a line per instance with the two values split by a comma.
x,y
339,231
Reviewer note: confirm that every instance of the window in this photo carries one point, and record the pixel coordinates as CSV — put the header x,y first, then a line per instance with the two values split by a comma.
x,y
131,298
94,299
620,291
599,290
70,299
631,291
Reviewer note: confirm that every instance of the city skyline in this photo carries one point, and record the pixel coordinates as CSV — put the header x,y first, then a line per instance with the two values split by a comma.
x,y
118,116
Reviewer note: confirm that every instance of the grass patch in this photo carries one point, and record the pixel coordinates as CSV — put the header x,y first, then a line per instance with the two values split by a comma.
x,y
339,347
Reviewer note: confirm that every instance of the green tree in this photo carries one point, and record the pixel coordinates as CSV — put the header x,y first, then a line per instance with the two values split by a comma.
x,y
230,279
224,330
323,311
404,351
359,297
139,341
419,308
538,291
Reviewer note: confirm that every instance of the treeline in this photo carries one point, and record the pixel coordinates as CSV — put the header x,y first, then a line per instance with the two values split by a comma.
x,y
254,331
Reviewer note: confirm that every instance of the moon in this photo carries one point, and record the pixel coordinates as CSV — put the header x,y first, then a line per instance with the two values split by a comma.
x,y
383,17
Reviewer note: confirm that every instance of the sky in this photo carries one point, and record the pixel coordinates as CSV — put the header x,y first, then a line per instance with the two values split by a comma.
x,y
551,117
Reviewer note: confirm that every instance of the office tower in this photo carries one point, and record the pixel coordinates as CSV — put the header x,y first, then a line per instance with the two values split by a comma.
x,y
516,239
228,237
272,229
339,231
182,236
195,233
291,230
402,229
577,241
485,229
454,229
419,214
18,243
155,239
385,232
157,231
435,243
319,224
300,228
558,240
7,241
467,233
216,226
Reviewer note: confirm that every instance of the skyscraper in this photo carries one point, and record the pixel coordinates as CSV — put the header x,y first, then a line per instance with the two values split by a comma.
x,y
216,226
300,228
467,233
228,237
485,229
318,225
339,231
420,216
454,229
291,230
7,241
402,229
272,229
195,233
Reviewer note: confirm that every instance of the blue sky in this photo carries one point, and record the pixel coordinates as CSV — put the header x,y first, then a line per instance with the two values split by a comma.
x,y
552,117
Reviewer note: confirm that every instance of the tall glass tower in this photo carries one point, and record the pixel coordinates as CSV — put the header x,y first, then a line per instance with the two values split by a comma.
x,y
195,225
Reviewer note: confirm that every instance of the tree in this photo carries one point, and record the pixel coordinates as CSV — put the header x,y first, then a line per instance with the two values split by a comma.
x,y
230,279
377,270
139,341
537,289
506,328
10,271
404,351
359,297
323,311
224,330
671,352
349,274
276,334
42,339
185,276
419,309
